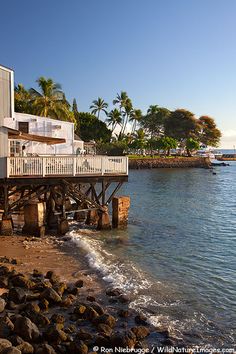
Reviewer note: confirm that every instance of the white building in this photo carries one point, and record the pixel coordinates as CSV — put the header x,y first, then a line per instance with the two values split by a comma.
x,y
43,126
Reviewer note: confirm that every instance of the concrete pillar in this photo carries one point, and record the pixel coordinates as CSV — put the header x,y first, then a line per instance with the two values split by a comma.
x,y
120,211
63,226
104,220
92,217
6,226
34,217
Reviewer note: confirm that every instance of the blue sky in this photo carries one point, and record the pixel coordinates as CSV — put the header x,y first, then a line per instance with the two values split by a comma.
x,y
174,53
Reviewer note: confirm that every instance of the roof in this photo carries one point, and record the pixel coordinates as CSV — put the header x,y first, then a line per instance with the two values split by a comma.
x,y
76,137
5,68
17,134
33,116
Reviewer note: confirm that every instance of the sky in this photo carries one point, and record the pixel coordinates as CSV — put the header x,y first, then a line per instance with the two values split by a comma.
x,y
173,53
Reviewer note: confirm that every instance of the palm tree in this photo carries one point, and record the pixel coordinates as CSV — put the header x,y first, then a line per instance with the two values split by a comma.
x,y
50,100
128,110
121,99
114,118
153,109
135,117
98,106
22,99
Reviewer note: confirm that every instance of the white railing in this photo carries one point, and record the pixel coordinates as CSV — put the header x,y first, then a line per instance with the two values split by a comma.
x,y
70,165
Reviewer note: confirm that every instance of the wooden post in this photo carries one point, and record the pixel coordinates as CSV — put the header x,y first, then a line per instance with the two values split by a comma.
x,y
104,219
120,210
34,216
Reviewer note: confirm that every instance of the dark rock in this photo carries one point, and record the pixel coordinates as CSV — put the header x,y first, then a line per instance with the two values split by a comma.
x,y
51,295
3,281
84,335
113,292
107,319
25,348
56,318
15,340
41,285
124,313
17,295
11,350
6,327
123,339
141,320
38,318
68,301
4,343
90,313
43,305
91,298
31,307
60,288
11,306
52,277
124,299
2,304
55,335
71,329
98,308
80,310
78,347
102,341
74,291
45,349
104,329
37,273
4,270
22,281
141,332
26,329
79,283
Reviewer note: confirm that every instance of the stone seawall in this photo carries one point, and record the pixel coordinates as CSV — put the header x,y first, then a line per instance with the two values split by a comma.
x,y
175,162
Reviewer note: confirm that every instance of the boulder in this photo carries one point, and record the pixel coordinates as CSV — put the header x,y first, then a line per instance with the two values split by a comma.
x,y
51,295
56,318
90,313
43,305
79,283
3,281
6,327
78,347
84,335
141,320
55,335
113,292
4,343
141,332
107,319
2,304
11,350
124,313
4,270
125,339
45,349
91,298
17,295
25,348
97,308
80,310
21,281
26,329
104,329
60,288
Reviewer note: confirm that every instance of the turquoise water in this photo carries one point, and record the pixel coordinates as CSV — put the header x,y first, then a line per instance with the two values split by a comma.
x,y
178,257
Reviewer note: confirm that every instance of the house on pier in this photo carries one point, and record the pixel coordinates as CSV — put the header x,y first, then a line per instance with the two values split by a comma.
x,y
51,171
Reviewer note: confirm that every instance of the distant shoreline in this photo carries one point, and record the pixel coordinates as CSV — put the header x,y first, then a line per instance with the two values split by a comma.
x,y
175,162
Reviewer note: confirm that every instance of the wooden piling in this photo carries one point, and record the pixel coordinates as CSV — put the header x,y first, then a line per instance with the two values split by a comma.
x,y
120,211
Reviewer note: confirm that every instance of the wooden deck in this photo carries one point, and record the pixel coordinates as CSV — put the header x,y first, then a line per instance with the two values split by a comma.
x,y
66,166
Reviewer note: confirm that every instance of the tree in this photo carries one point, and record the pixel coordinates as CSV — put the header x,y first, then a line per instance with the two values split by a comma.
x,y
191,145
128,110
121,99
91,128
135,117
114,118
98,106
154,120
209,134
23,100
50,100
181,125
76,116
139,140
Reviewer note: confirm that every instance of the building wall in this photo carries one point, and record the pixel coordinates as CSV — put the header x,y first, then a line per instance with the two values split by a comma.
x,y
6,110
46,127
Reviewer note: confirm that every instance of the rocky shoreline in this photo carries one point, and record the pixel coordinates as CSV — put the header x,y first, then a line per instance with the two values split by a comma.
x,y
175,162
41,312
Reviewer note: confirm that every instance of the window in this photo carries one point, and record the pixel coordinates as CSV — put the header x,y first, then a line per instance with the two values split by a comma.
x,y
15,148
24,127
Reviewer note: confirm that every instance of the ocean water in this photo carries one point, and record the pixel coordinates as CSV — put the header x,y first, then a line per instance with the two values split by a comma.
x,y
177,259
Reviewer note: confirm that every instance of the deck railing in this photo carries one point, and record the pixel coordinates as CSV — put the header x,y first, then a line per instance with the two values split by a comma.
x,y
43,166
